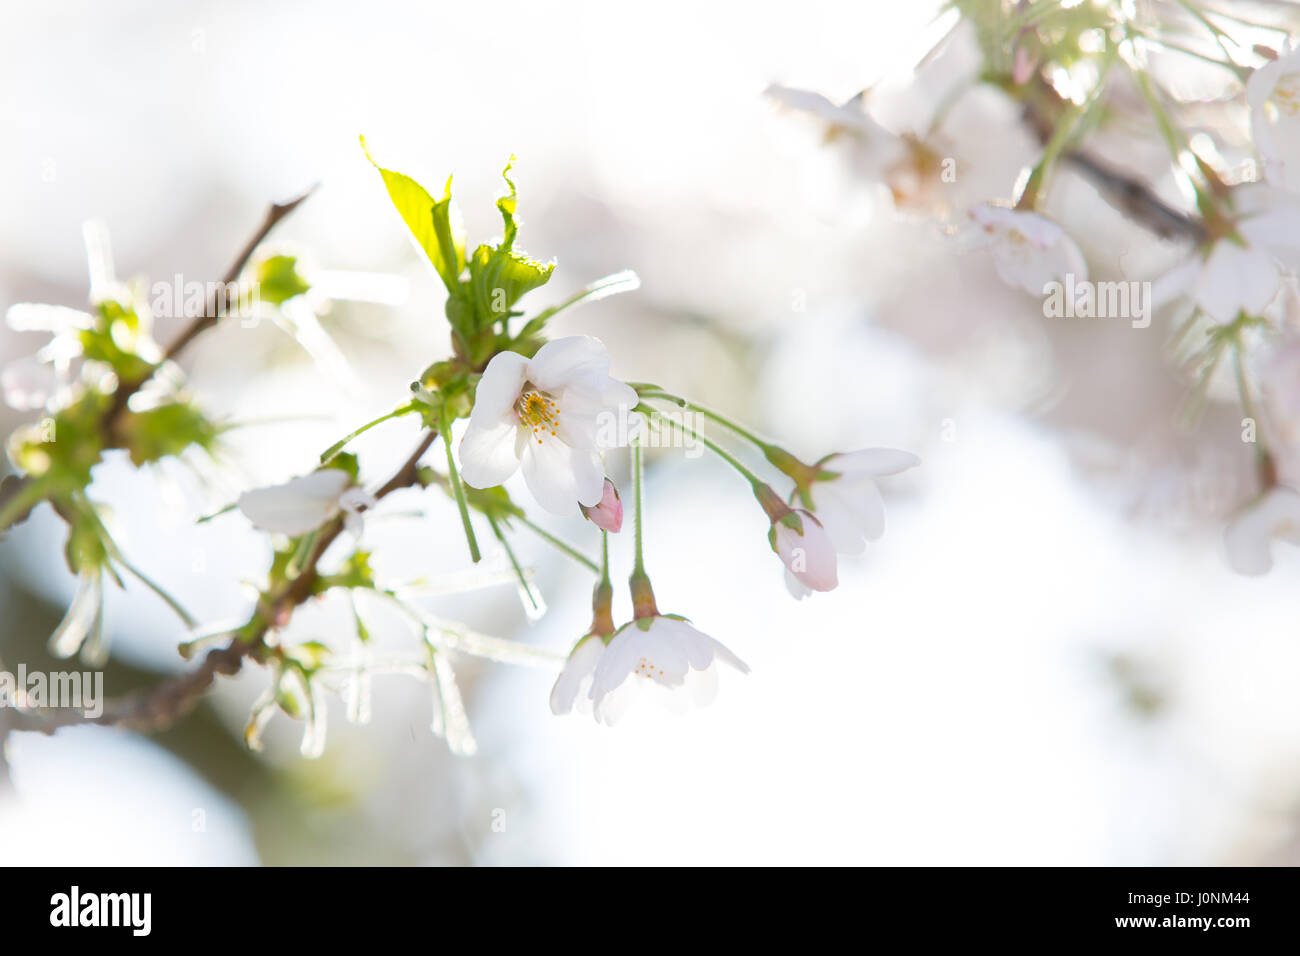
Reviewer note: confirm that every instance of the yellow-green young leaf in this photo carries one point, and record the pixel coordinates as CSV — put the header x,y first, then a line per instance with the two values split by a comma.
x,y
500,277
278,279
434,224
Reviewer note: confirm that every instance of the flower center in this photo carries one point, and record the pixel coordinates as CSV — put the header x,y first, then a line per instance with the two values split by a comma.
x,y
538,411
1286,95
646,668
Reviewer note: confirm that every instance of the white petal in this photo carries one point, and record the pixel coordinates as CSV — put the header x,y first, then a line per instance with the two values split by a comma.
x,y
852,512
28,384
1235,279
498,390
577,674
1248,538
875,462
562,361
810,556
549,472
56,319
488,453
795,586
297,506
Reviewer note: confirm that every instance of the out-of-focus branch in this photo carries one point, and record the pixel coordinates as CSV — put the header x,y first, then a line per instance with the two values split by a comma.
x,y
1136,200
158,707
219,303
217,306
1125,192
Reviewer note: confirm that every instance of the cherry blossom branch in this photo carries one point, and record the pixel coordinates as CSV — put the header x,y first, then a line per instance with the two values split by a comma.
x,y
1123,191
219,303
18,494
161,706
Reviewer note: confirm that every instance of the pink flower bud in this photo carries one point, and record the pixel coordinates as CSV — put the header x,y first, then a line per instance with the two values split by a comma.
x,y
608,514
809,556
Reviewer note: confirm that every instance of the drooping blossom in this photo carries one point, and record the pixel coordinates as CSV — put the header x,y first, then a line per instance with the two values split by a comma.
x,y
663,651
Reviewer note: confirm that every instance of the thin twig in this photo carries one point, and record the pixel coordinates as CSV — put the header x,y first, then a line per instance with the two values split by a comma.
x,y
158,707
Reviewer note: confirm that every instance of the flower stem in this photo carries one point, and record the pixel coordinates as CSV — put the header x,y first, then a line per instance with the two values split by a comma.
x,y
457,488
638,567
557,543
339,445
709,414
643,595
602,596
524,584
708,443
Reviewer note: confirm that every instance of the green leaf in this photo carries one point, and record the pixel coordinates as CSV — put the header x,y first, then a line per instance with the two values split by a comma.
x,y
433,223
499,276
166,430
278,279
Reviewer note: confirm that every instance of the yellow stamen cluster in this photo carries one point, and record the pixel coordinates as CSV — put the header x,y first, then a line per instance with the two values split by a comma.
x,y
647,668
538,411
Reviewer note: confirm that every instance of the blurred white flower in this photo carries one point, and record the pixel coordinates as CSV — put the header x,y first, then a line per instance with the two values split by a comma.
x,y
848,117
304,504
29,383
1029,250
42,380
662,650
82,627
1279,387
809,557
1240,273
544,413
574,682
1249,537
850,507
1273,94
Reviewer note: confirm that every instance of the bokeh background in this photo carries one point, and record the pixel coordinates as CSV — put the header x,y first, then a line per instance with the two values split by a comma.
x,y
1045,660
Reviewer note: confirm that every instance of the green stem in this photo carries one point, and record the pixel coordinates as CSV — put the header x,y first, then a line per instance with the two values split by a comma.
x,y
339,445
638,567
457,488
604,557
708,443
557,543
117,557
28,496
514,563
709,414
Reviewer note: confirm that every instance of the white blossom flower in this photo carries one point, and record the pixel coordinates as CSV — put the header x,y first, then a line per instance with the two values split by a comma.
x,y
82,627
574,682
850,507
304,504
1240,273
1249,536
1273,94
809,557
1029,250
1279,387
662,650
42,380
543,414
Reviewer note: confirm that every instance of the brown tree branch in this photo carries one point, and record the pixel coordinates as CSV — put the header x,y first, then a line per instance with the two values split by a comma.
x,y
158,707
